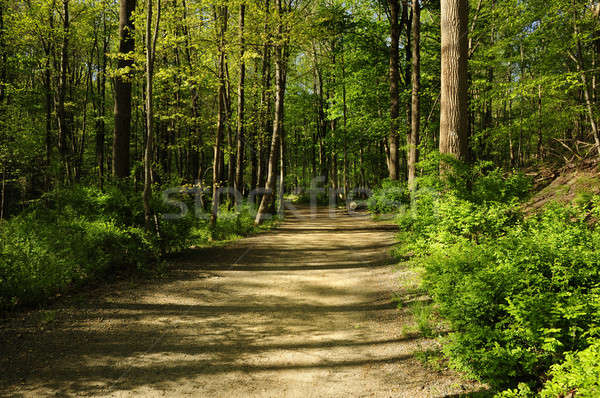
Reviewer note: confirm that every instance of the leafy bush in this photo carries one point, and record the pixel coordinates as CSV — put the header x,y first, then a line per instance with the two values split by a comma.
x,y
77,234
39,258
317,196
579,373
518,302
390,197
518,293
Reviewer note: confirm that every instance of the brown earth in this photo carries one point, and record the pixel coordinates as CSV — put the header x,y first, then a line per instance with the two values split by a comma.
x,y
307,310
571,184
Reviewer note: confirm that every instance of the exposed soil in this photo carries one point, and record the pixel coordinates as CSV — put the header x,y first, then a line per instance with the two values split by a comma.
x,y
573,183
306,310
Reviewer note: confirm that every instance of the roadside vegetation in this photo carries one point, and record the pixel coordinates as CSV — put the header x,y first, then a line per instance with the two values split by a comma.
x,y
519,292
74,235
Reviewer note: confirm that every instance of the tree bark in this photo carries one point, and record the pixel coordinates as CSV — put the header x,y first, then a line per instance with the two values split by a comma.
x,y
345,122
239,167
454,116
150,55
394,73
265,101
586,89
61,113
266,203
101,91
413,137
48,49
122,83
222,15
2,193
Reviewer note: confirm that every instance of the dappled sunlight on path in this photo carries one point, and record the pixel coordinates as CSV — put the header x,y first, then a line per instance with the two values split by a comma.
x,y
305,310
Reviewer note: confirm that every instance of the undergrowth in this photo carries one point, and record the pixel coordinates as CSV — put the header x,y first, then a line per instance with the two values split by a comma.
x,y
79,234
520,294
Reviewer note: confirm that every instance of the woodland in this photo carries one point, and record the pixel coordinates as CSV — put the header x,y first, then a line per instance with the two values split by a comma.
x,y
450,116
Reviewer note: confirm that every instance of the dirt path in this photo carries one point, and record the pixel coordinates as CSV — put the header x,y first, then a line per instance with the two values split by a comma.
x,y
303,311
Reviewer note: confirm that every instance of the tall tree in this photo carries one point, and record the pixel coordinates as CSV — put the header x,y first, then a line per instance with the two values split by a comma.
x,y
454,112
221,15
64,126
413,137
120,159
394,71
265,100
268,199
101,52
150,57
239,167
588,97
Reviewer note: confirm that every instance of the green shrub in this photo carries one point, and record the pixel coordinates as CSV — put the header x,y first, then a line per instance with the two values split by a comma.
x,y
39,258
494,185
517,293
579,373
519,301
319,196
390,197
77,234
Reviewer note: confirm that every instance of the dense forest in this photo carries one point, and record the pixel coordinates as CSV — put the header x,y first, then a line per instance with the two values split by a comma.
x,y
116,114
353,89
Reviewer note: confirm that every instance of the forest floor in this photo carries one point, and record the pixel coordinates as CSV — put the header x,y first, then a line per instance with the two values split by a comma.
x,y
306,310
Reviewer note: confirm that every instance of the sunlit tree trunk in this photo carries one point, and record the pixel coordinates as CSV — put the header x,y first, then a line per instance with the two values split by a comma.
x,y
239,167
413,137
267,202
221,17
150,55
282,155
265,102
589,106
454,116
394,72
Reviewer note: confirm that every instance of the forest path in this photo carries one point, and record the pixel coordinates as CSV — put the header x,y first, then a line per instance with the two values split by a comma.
x,y
305,310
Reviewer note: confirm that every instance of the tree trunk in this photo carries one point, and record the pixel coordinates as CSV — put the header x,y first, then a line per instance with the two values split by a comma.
x,y
265,101
394,83
586,89
413,138
540,138
48,90
150,53
48,50
221,18
101,91
345,121
285,55
281,207
3,55
454,116
61,113
254,159
239,167
122,83
266,203
2,193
